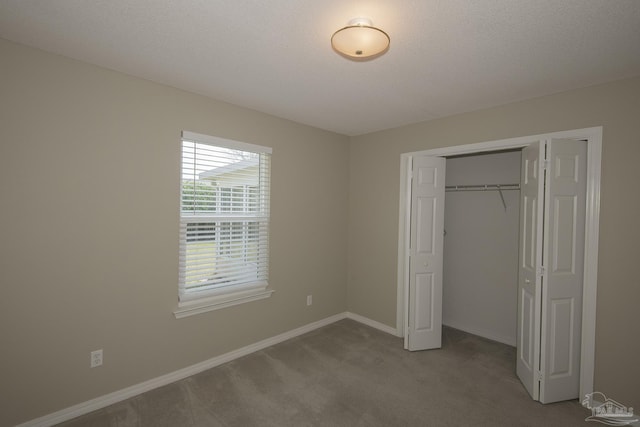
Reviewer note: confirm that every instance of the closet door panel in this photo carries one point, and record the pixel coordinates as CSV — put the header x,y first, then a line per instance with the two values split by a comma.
x,y
425,264
564,256
529,279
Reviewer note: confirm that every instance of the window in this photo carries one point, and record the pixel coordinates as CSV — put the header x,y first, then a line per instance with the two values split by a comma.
x,y
224,223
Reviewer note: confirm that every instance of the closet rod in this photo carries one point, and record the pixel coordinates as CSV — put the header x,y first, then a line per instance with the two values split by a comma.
x,y
482,187
485,187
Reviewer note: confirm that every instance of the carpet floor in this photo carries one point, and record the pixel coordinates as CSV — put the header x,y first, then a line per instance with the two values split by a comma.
x,y
348,374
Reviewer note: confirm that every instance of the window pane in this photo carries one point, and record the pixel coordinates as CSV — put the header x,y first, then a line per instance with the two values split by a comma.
x,y
225,217
218,179
219,253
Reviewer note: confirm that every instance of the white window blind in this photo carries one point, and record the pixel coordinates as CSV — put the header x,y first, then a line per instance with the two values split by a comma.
x,y
224,216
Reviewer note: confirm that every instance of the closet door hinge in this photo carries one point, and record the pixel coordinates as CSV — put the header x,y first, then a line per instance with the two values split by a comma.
x,y
545,164
541,271
539,375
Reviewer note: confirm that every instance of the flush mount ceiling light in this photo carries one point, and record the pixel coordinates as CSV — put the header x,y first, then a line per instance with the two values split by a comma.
x,y
360,40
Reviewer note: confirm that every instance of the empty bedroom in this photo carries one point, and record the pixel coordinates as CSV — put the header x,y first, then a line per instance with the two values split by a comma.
x,y
337,213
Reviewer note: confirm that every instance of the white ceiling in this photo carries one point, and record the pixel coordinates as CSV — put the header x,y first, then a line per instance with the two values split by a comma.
x,y
446,56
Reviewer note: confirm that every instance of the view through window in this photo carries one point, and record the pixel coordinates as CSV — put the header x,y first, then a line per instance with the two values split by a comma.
x,y
224,218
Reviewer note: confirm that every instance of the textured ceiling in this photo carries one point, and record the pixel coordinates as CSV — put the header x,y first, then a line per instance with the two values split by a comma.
x,y
446,56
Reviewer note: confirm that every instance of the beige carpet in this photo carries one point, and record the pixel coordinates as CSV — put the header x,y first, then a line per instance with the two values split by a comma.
x,y
348,374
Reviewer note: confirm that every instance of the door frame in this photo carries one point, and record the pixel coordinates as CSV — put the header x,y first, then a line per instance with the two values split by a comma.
x,y
593,136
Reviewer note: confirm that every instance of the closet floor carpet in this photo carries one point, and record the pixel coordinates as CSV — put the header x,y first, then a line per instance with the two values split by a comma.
x,y
348,374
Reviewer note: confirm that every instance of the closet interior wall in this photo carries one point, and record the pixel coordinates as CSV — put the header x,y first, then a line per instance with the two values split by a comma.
x,y
480,275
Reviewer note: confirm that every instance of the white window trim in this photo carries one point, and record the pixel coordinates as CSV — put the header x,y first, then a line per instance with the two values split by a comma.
x,y
226,299
229,143
238,294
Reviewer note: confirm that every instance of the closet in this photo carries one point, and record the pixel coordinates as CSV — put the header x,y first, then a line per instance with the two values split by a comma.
x,y
506,258
481,223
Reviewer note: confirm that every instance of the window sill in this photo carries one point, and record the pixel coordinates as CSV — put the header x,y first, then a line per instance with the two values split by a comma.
x,y
216,302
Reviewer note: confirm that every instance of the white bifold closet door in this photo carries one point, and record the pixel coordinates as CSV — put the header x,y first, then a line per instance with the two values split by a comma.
x,y
551,264
551,268
530,258
426,256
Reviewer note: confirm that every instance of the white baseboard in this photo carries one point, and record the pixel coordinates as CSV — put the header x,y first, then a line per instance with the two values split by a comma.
x,y
126,393
373,323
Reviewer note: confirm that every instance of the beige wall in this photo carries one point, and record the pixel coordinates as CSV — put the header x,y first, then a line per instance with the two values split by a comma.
x,y
373,210
89,184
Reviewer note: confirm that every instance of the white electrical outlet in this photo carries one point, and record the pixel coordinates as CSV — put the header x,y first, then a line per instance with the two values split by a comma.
x,y
96,358
309,299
